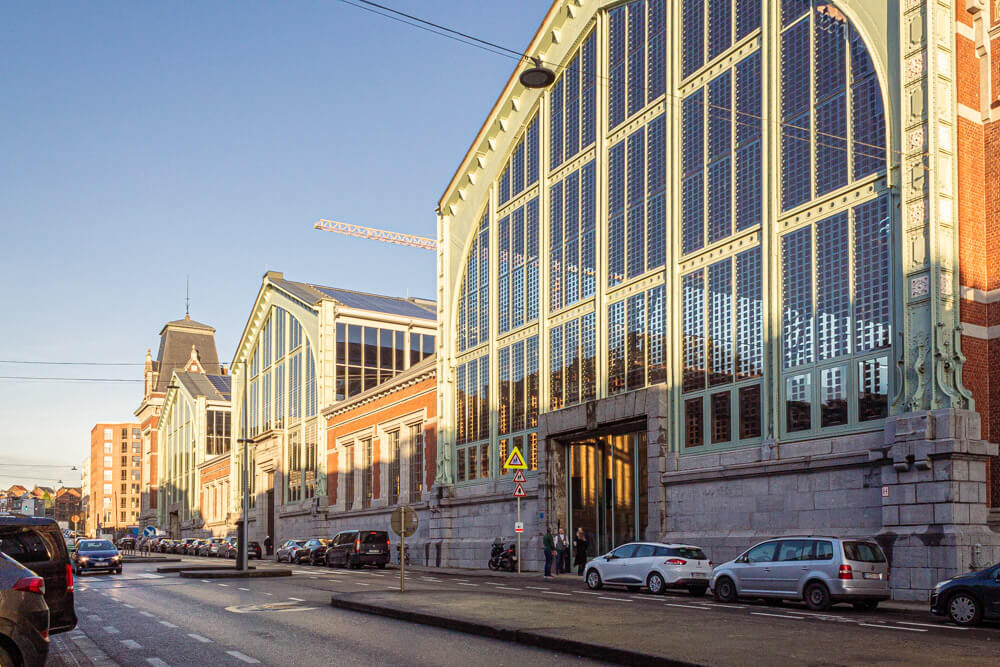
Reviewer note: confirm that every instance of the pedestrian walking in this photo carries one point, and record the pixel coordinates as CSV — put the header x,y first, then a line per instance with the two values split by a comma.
x,y
549,547
267,545
580,544
562,552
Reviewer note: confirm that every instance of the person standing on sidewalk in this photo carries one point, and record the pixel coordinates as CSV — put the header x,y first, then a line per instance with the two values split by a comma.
x,y
580,544
267,545
549,547
562,552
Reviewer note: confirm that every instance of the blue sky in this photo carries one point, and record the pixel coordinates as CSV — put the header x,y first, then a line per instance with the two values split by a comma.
x,y
142,143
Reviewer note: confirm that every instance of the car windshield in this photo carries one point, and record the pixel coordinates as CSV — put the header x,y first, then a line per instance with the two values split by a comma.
x,y
326,541
691,553
863,552
95,545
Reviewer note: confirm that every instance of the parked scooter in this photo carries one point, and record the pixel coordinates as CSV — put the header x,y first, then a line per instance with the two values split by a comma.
x,y
503,558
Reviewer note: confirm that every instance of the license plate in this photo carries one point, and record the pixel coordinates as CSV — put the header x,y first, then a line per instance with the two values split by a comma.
x,y
698,575
872,575
374,551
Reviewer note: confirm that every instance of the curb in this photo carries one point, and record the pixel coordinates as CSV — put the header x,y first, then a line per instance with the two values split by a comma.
x,y
233,574
200,568
526,637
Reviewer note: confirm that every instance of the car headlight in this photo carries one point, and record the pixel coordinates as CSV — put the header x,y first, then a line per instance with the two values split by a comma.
x,y
83,559
940,584
116,557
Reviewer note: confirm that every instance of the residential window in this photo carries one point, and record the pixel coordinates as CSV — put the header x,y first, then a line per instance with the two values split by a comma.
x,y
367,474
416,460
394,463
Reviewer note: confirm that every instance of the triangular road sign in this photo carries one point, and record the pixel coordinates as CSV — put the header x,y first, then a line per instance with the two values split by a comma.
x,y
519,491
515,461
519,477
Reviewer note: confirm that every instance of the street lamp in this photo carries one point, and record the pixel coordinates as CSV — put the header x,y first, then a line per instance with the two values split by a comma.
x,y
537,76
241,532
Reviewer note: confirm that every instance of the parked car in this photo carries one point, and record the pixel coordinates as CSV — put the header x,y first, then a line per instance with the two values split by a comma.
x,y
211,548
232,547
654,565
24,616
184,548
313,551
288,550
819,570
354,548
163,546
38,544
97,555
126,543
969,598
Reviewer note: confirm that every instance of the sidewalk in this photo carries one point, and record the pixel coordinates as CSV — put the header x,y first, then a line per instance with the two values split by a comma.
x,y
576,582
76,649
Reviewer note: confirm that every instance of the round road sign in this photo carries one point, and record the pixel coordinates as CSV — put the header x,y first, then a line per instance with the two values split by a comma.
x,y
404,521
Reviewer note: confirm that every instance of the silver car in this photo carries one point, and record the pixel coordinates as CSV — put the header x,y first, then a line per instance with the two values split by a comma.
x,y
819,570
654,565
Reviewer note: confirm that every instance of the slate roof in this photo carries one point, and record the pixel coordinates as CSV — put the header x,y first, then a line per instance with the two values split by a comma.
x,y
212,386
312,294
176,339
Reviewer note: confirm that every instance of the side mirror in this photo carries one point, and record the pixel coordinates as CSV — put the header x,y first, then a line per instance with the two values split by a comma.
x,y
609,557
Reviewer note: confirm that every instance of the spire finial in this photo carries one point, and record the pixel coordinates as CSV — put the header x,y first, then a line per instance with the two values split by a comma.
x,y
187,297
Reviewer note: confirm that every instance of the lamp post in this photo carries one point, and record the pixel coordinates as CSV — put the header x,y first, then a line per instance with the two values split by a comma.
x,y
241,530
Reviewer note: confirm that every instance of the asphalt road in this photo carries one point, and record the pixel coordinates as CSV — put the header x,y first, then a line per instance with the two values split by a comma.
x,y
144,618
280,621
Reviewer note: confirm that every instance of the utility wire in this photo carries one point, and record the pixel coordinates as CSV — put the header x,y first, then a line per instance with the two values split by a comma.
x,y
62,379
73,363
477,42
36,465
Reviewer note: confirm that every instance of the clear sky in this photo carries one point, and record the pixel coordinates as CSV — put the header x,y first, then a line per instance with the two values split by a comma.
x,y
141,143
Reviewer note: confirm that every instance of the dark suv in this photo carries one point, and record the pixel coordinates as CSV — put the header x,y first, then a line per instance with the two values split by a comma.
x,y
38,544
354,548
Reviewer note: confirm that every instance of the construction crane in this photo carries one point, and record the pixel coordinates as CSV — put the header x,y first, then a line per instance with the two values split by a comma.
x,y
360,232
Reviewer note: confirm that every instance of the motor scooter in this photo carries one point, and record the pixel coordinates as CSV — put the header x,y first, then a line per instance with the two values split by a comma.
x,y
503,558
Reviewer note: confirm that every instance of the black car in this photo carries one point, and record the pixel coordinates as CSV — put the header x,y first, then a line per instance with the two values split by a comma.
x,y
97,555
231,548
24,616
354,548
969,598
38,544
313,551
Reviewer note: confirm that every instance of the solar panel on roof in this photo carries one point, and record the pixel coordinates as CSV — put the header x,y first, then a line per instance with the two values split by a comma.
x,y
381,304
222,383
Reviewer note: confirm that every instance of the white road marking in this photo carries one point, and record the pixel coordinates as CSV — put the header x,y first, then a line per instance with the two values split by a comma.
x,y
150,575
111,630
615,599
128,606
226,585
297,599
889,627
556,593
760,613
243,657
537,588
206,581
301,572
589,593
373,574
464,584
361,583
314,577
724,606
168,624
268,593
507,588
932,625
244,589
82,609
156,662
686,606
131,643
199,638
146,613
93,617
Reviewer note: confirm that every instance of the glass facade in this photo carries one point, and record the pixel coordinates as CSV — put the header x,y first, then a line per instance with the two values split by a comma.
x,y
752,275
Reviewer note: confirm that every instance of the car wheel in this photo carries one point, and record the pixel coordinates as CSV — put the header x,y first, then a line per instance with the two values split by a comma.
x,y
963,609
817,597
594,580
655,583
351,565
118,571
698,591
866,605
725,590
6,659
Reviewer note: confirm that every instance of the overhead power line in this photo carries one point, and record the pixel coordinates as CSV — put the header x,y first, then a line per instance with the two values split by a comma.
x,y
73,363
61,379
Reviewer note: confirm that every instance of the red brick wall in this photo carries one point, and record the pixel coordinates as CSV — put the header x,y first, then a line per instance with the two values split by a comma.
x,y
216,470
386,408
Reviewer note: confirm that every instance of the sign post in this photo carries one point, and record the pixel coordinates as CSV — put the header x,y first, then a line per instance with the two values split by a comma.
x,y
404,523
516,462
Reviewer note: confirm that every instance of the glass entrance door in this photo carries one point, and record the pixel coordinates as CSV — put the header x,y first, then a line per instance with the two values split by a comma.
x,y
603,489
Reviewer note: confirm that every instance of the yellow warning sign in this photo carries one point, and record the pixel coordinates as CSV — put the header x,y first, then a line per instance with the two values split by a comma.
x,y
515,461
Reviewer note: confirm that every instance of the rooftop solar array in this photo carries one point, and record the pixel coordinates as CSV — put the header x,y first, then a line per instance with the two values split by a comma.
x,y
380,304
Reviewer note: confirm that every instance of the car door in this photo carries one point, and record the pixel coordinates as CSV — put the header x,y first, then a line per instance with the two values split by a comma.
x,y
755,573
641,563
991,593
791,564
617,565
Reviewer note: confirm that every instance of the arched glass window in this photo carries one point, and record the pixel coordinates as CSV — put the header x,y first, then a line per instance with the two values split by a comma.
x,y
474,302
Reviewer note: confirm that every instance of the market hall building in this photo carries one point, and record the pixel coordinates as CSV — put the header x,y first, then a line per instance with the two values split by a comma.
x,y
727,279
